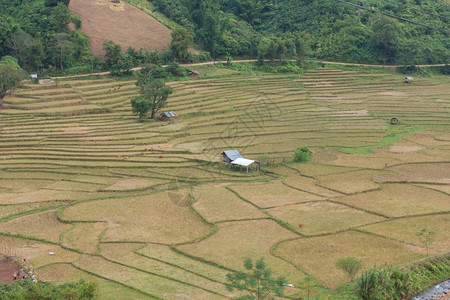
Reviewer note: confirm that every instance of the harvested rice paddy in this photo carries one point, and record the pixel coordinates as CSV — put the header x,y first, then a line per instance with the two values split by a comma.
x,y
148,209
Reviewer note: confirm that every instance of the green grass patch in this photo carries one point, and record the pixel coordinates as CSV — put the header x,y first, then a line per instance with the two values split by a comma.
x,y
385,141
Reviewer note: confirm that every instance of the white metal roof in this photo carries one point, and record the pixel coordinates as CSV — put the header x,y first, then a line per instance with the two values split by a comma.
x,y
242,162
232,154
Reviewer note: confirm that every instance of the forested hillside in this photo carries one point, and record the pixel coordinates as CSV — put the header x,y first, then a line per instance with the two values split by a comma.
x,y
36,32
373,31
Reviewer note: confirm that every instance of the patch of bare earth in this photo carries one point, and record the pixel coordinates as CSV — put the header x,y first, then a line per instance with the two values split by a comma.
x,y
393,93
7,269
122,23
128,184
41,195
74,129
405,149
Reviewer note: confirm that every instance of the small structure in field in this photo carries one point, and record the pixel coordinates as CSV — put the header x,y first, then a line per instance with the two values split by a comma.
x,y
168,116
244,162
46,81
115,1
193,73
230,155
408,79
234,158
394,120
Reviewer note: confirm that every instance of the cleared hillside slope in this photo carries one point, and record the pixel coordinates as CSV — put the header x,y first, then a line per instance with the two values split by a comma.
x,y
122,23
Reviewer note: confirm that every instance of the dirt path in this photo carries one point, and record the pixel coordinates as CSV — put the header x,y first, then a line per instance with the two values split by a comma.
x,y
7,269
248,61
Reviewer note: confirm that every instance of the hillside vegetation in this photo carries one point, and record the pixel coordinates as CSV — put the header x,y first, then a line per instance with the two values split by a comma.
x,y
333,29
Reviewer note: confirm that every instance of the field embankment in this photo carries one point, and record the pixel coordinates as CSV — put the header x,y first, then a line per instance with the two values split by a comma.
x,y
148,208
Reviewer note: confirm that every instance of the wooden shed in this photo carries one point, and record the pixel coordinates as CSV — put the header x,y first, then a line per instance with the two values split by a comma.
x,y
394,120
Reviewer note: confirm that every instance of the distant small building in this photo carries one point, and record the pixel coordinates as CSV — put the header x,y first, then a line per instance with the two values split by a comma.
x,y
394,120
234,158
231,155
115,1
193,73
34,76
46,81
244,162
168,115
408,79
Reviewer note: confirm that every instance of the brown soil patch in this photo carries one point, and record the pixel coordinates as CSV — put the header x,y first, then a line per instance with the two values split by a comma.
x,y
7,269
391,93
41,195
153,147
74,128
173,126
122,23
424,173
405,149
128,184
190,146
97,138
353,113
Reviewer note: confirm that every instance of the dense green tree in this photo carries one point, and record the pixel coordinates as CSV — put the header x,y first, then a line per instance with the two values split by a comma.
x,y
10,78
386,37
175,69
52,3
153,97
140,106
29,51
60,17
62,49
350,265
113,52
181,41
257,281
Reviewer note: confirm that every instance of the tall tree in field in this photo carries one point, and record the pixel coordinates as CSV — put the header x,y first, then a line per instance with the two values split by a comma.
x,y
259,282
153,97
10,79
181,41
349,265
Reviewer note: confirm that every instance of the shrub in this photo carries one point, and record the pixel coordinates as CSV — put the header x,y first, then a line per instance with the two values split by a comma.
x,y
349,265
25,289
302,154
289,68
388,283
175,69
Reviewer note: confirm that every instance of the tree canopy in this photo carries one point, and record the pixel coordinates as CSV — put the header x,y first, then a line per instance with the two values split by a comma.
x,y
153,93
380,31
10,77
257,281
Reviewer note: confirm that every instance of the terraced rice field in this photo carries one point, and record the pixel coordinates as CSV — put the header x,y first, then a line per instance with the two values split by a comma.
x,y
147,209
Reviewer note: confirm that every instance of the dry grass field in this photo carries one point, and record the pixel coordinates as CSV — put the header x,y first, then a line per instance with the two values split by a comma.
x,y
148,210
122,23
